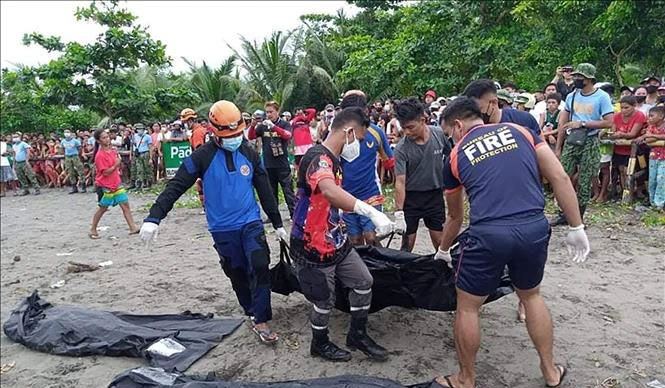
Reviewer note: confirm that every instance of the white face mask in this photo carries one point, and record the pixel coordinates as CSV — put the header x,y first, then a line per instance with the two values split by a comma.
x,y
351,151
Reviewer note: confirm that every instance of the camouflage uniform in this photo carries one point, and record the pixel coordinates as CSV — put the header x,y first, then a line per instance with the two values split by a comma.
x,y
141,168
586,161
26,176
74,169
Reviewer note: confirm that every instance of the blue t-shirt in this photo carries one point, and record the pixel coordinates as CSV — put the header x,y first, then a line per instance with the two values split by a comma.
x,y
497,166
21,151
522,118
142,143
71,146
591,107
360,177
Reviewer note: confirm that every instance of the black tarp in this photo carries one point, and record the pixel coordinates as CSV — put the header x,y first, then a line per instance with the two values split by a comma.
x,y
169,341
158,378
400,279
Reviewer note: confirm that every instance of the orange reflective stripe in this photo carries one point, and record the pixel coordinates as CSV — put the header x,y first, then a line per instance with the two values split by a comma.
x,y
526,133
453,163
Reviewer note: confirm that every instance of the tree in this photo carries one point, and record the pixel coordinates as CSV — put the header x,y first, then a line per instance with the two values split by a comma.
x,y
211,85
97,75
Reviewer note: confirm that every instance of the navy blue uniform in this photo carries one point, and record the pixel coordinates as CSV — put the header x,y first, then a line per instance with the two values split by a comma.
x,y
229,180
522,118
497,166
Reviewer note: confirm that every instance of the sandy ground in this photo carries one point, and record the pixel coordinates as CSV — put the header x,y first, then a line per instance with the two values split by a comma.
x,y
608,312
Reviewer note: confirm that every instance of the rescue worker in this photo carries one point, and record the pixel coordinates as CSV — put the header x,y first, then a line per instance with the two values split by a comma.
x,y
507,227
320,248
24,173
230,170
188,118
142,155
73,165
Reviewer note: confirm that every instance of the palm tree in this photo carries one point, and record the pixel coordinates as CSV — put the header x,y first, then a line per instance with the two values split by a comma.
x,y
270,66
212,85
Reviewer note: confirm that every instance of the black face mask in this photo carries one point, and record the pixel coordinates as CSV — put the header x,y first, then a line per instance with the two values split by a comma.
x,y
651,89
486,116
640,99
579,84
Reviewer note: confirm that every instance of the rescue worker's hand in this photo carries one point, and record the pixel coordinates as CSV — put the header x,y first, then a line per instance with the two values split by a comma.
x,y
149,232
578,243
282,234
268,124
400,222
445,256
382,224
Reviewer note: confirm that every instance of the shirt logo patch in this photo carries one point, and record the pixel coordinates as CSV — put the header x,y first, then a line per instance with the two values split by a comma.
x,y
323,164
370,144
244,170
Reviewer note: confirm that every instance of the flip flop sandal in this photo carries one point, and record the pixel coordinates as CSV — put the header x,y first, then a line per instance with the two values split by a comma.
x,y
562,370
94,236
135,232
436,384
266,335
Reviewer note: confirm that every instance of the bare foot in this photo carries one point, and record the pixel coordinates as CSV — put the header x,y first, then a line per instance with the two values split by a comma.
x,y
134,230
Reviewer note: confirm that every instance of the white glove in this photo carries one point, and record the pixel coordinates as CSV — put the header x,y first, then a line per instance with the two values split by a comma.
x,y
382,224
400,222
282,234
149,232
445,256
268,123
578,244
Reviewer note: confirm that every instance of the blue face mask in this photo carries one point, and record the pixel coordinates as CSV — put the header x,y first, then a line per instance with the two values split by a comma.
x,y
233,143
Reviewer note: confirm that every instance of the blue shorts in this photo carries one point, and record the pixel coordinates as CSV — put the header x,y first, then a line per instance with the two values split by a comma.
x,y
486,249
356,224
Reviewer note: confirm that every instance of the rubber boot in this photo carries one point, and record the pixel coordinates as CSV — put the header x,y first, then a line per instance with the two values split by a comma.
x,y
75,189
132,186
358,339
37,191
25,192
139,185
83,189
322,347
146,184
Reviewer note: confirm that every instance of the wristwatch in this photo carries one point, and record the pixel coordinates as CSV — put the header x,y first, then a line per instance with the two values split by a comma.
x,y
584,124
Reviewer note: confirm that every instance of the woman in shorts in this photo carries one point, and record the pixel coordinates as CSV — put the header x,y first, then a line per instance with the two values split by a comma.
x,y
108,184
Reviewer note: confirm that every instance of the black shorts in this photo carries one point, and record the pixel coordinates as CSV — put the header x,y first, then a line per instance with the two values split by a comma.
x,y
426,205
620,160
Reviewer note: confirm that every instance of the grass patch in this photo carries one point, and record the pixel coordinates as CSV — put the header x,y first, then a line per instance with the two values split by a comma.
x,y
189,200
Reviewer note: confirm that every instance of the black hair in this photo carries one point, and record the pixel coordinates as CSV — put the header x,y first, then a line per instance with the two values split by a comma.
x,y
97,134
347,117
630,100
354,99
461,108
658,109
509,85
638,88
409,110
550,84
556,96
479,88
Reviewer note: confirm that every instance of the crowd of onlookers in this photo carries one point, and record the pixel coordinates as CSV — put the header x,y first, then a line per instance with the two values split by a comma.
x,y
307,126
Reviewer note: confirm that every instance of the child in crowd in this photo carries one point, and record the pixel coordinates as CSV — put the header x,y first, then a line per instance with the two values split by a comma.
x,y
656,133
107,182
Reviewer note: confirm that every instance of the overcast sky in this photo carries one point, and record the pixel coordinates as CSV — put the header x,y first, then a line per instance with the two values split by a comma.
x,y
196,30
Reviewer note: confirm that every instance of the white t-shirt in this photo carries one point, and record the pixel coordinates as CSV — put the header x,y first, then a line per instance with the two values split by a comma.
x,y
4,161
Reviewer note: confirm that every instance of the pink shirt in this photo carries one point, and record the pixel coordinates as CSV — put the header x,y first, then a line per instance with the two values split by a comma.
x,y
105,159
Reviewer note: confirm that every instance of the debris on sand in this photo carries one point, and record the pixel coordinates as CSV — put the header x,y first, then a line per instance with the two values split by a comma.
x,y
75,267
7,367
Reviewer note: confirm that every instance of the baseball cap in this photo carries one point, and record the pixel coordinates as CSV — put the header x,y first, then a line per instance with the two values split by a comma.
x,y
649,78
330,107
503,94
430,93
586,70
626,87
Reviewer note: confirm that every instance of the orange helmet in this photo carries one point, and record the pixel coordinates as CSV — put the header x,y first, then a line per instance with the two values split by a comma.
x,y
226,119
187,113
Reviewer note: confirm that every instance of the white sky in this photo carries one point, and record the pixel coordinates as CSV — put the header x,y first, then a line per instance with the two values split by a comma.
x,y
196,30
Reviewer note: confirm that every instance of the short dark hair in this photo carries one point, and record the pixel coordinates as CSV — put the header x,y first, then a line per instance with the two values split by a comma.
x,y
554,96
549,84
509,85
348,116
658,109
479,88
461,108
354,99
630,100
409,110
